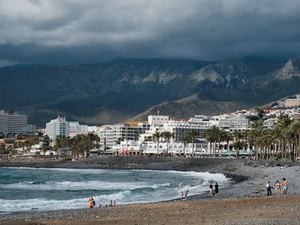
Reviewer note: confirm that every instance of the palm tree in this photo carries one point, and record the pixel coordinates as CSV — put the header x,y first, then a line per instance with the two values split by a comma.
x,y
148,138
237,145
269,138
46,142
245,135
256,132
62,142
295,129
277,137
157,135
136,136
221,138
283,123
210,140
213,135
93,139
167,135
238,136
119,140
185,140
192,134
217,133
81,144
227,136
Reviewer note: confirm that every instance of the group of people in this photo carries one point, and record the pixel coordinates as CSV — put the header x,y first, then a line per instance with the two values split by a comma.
x,y
112,203
184,196
213,191
92,203
278,187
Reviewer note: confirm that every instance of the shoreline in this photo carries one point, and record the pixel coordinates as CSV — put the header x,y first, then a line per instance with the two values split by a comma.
x,y
248,176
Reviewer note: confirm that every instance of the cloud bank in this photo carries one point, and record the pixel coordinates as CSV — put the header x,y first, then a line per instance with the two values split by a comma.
x,y
91,31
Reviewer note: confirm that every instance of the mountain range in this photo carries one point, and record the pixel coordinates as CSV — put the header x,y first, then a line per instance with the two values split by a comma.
x,y
130,89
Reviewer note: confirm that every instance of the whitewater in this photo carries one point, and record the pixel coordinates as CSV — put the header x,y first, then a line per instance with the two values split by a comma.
x,y
41,189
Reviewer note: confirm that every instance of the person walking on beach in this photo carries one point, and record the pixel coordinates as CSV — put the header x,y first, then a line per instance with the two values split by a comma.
x,y
91,200
278,187
216,188
182,194
269,192
285,186
186,195
211,189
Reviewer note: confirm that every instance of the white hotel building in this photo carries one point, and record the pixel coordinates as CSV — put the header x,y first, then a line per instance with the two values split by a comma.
x,y
57,127
61,127
75,128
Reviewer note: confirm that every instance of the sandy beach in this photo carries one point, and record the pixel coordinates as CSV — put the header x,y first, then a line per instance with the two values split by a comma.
x,y
244,202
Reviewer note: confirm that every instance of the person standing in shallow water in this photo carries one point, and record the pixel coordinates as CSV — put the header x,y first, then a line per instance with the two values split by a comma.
x,y
91,202
211,189
269,192
182,194
186,195
216,188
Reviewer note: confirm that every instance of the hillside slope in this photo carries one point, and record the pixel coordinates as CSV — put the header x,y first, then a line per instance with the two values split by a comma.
x,y
119,90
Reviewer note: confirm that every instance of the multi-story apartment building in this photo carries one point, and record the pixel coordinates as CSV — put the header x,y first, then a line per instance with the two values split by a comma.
x,y
110,134
75,128
199,122
57,127
229,122
12,124
157,120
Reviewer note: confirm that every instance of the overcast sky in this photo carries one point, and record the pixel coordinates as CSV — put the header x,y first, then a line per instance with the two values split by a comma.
x,y
90,31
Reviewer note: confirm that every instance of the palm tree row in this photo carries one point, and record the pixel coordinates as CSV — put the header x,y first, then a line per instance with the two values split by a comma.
x,y
281,141
80,144
167,135
191,136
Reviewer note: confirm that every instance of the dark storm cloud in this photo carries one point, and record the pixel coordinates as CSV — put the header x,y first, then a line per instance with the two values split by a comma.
x,y
75,31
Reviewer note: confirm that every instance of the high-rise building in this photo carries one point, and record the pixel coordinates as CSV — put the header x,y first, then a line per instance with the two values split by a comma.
x,y
15,123
57,127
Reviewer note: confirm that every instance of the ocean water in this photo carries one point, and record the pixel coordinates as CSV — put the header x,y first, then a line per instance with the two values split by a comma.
x,y
29,189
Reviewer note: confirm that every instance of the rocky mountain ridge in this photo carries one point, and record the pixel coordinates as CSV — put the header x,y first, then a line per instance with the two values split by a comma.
x,y
290,69
121,89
